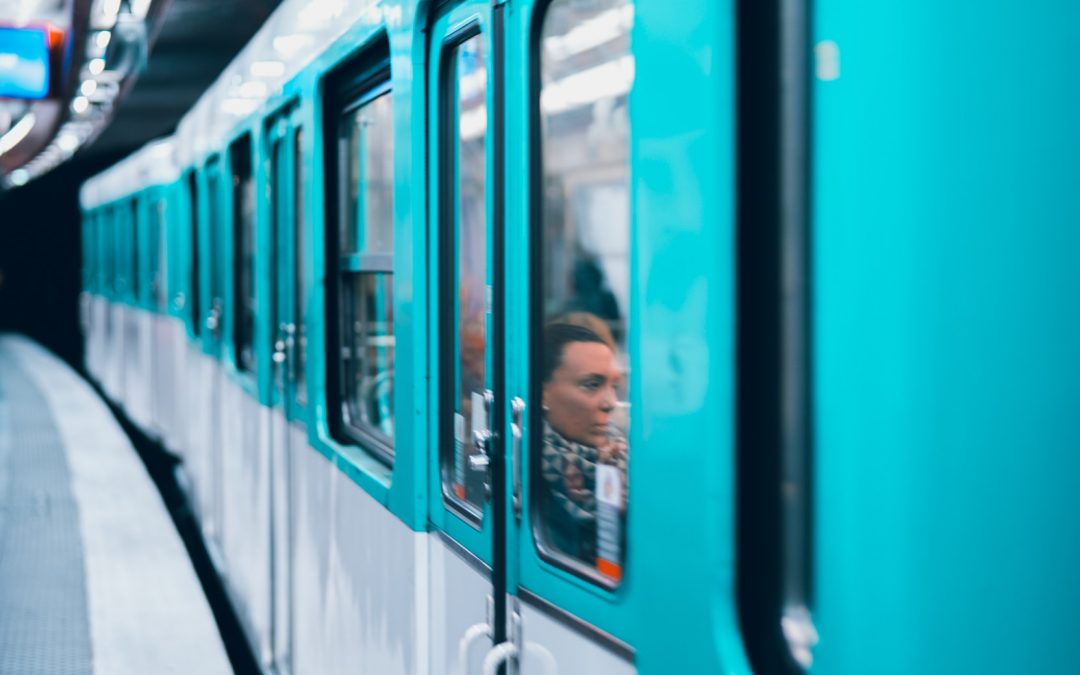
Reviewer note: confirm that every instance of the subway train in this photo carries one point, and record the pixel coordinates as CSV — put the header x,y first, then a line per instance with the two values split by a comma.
x,y
616,336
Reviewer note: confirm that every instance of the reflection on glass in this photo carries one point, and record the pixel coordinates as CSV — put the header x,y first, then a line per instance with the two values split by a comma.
x,y
299,367
366,276
161,264
243,184
195,301
586,72
133,246
370,368
469,85
369,216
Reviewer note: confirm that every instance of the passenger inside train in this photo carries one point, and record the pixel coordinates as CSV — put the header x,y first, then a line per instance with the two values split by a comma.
x,y
585,451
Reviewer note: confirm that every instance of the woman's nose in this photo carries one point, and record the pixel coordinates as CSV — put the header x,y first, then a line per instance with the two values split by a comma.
x,y
608,399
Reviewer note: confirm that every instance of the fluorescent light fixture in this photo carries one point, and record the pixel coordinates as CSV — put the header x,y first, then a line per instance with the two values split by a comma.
x,y
88,87
140,8
289,45
80,104
602,28
253,89
267,68
102,39
238,106
473,123
67,142
96,66
607,80
110,7
17,133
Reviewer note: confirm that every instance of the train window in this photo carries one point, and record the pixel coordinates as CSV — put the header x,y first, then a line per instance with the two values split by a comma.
x,y
158,263
581,487
465,265
243,223
365,241
88,252
133,250
214,258
193,211
298,364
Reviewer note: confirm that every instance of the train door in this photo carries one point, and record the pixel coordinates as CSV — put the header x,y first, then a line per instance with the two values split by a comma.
x,y
287,432
469,571
531,291
214,348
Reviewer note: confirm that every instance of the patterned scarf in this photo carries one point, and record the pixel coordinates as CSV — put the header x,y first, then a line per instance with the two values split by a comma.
x,y
562,458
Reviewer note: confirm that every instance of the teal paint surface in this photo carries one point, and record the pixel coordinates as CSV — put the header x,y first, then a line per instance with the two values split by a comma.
x,y
946,465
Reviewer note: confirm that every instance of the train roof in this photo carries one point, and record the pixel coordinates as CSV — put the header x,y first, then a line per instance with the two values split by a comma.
x,y
297,32
152,164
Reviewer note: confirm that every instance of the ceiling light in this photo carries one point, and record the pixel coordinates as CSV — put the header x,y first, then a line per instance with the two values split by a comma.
x,y
17,133
267,68
67,142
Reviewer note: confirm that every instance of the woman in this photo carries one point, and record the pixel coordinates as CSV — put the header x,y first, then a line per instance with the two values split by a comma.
x,y
580,375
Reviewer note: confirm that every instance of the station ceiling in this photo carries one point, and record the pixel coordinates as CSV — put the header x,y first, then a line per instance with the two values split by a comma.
x,y
189,43
196,40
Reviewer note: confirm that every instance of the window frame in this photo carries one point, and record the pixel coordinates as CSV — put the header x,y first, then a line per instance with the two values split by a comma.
x,y
359,84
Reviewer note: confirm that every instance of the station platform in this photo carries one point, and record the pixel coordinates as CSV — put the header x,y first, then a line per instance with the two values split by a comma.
x,y
94,577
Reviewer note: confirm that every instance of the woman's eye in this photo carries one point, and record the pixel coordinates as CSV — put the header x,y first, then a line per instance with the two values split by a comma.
x,y
591,384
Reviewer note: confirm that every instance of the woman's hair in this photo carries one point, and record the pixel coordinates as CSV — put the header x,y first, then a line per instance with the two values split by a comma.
x,y
591,322
556,336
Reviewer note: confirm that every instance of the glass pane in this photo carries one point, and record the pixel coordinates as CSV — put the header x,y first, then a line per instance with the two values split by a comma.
x,y
243,185
195,300
471,298
369,210
214,243
159,266
299,369
275,194
133,247
586,72
368,353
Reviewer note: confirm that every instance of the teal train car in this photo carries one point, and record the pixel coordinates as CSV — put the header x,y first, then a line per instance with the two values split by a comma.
x,y
616,336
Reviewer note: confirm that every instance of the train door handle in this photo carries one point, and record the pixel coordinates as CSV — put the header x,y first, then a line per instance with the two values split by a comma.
x,y
517,414
213,319
472,635
499,654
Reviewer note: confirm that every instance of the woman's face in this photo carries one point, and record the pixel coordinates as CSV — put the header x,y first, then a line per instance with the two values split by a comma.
x,y
580,396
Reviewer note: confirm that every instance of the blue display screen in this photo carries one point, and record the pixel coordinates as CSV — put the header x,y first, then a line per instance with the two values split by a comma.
x,y
24,63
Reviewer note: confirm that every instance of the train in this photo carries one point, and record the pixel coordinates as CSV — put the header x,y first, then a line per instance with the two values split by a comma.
x,y
616,336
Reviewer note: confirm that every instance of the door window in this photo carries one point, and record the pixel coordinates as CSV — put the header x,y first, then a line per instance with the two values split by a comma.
x,y
466,285
243,226
365,247
581,488
299,368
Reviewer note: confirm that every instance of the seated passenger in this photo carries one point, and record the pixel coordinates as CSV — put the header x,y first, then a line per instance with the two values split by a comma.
x,y
580,376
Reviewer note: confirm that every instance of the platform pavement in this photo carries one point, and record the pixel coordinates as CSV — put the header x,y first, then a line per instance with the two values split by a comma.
x,y
93,575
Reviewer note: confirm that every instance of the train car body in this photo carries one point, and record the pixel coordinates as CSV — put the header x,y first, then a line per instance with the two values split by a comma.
x,y
330,293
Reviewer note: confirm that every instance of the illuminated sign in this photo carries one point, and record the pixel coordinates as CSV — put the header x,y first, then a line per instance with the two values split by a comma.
x,y
25,62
